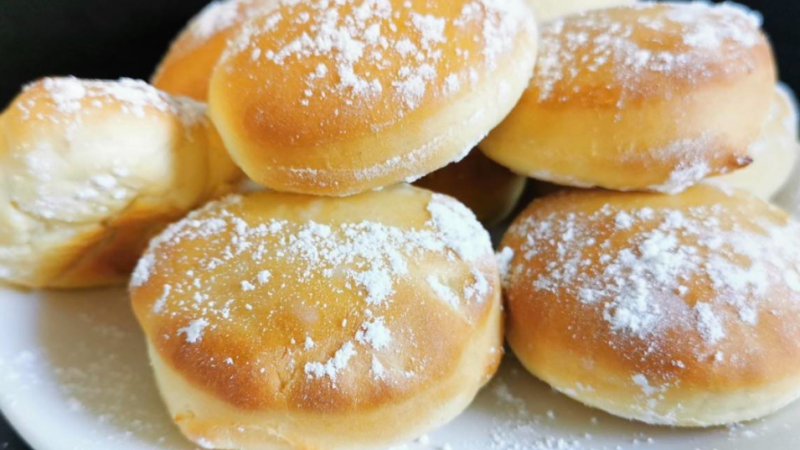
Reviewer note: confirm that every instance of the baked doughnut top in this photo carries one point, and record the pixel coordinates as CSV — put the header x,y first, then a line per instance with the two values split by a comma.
x,y
91,170
547,10
55,113
616,56
653,97
186,68
274,301
321,69
671,296
335,98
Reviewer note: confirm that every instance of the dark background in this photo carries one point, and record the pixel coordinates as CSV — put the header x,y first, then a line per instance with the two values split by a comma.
x,y
116,38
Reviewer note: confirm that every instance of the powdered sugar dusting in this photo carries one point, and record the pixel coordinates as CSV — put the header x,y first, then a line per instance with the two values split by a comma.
x,y
479,289
142,271
458,228
377,283
216,16
378,371
194,331
642,285
333,366
691,156
504,258
264,277
629,45
443,291
375,333
367,260
644,384
72,97
158,306
359,39
709,324
684,176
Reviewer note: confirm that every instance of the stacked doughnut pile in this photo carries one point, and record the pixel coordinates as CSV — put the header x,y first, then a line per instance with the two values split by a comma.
x,y
297,292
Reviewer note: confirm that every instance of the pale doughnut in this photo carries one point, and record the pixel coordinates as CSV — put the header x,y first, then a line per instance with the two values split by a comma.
x,y
491,191
646,97
280,321
91,170
774,153
337,98
547,10
186,68
675,310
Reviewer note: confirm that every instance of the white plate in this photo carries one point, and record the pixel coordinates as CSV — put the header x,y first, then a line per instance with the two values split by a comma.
x,y
74,376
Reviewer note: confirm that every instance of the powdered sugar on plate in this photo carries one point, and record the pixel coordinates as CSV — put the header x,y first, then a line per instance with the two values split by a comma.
x,y
88,385
80,374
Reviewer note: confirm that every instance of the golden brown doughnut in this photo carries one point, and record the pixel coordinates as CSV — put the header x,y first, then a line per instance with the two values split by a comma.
x,y
547,10
649,97
491,191
90,170
337,98
280,321
675,310
774,153
186,68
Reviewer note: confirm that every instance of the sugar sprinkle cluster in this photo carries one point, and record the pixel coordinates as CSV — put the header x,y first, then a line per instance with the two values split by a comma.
x,y
365,258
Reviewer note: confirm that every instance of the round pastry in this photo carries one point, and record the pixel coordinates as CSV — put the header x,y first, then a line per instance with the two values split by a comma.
x,y
674,310
280,321
491,191
337,98
649,97
774,153
186,68
91,170
547,10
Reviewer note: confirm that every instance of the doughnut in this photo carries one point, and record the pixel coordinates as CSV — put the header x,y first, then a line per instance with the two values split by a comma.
x,y
651,97
774,153
91,170
186,68
672,310
337,98
491,191
547,10
279,321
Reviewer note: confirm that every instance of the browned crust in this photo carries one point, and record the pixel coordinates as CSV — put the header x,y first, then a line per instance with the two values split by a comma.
x,y
429,335
635,131
338,143
71,249
569,343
